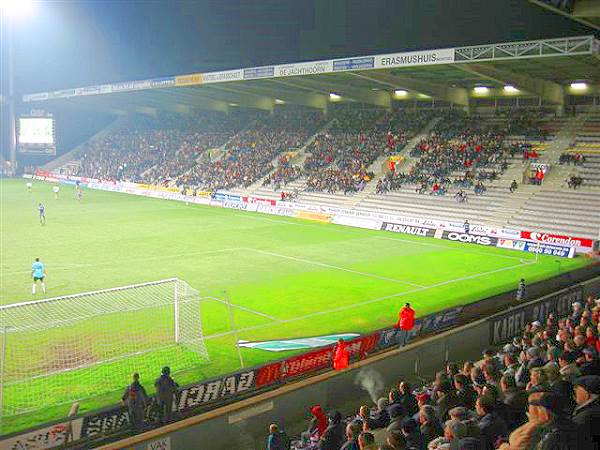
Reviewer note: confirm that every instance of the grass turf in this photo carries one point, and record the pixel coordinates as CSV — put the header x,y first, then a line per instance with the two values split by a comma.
x,y
313,278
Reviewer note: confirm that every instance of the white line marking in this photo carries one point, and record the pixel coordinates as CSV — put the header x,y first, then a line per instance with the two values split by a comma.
x,y
243,308
130,260
368,302
330,266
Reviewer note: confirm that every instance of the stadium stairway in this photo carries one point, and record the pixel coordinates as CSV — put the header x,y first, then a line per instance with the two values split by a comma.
x,y
70,160
257,189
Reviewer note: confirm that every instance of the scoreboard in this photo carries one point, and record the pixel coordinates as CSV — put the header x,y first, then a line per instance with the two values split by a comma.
x,y
36,134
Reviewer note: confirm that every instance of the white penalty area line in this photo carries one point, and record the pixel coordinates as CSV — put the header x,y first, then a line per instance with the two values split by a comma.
x,y
368,302
242,308
331,266
131,260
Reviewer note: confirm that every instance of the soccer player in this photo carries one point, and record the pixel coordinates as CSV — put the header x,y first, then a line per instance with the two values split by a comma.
x,y
42,211
29,186
79,194
55,189
38,273
467,226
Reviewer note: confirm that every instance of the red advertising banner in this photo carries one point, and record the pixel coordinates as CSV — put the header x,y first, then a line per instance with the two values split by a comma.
x,y
319,359
548,238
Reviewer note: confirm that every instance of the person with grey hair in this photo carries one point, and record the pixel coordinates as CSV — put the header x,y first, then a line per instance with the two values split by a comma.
x,y
454,431
430,425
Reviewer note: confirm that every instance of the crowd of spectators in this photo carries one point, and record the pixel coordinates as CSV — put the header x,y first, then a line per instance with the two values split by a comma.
x,y
541,391
155,149
249,155
339,159
460,152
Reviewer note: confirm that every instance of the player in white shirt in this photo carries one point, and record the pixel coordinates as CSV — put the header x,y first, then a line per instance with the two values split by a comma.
x,y
55,189
29,186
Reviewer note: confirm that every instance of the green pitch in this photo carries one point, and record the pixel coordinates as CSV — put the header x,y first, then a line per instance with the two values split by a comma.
x,y
288,278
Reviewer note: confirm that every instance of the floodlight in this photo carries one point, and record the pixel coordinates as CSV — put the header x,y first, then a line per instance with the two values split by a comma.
x,y
16,8
334,96
279,101
400,93
481,89
510,89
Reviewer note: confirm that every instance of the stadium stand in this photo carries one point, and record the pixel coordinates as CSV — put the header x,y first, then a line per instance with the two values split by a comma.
x,y
155,149
539,391
252,154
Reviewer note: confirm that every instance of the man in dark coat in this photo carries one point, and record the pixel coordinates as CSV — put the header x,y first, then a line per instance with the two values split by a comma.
x,y
515,400
587,411
431,427
491,425
333,437
166,390
556,430
136,399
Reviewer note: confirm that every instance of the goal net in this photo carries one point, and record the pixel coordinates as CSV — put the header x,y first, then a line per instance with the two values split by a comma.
x,y
63,349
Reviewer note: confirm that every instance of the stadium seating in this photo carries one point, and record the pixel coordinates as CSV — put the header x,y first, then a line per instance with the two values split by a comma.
x,y
487,404
157,149
252,154
587,143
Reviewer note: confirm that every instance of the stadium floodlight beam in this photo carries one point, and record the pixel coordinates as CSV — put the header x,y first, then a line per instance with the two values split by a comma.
x,y
334,97
16,8
579,85
510,89
400,93
481,89
279,101
10,10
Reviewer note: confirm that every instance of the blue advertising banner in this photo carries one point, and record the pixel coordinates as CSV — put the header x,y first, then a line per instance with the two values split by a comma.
x,y
259,72
354,63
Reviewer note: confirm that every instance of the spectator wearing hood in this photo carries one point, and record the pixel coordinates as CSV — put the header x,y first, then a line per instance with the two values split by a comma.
x,y
587,411
318,423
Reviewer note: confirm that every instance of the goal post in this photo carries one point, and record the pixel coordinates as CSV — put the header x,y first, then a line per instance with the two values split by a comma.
x,y
69,348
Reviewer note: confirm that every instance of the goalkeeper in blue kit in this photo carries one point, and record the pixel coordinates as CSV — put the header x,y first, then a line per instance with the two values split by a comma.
x,y
38,273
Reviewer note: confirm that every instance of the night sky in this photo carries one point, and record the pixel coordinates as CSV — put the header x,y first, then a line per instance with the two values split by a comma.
x,y
75,43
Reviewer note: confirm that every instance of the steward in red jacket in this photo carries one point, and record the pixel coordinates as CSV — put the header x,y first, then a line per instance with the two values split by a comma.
x,y
406,318
341,357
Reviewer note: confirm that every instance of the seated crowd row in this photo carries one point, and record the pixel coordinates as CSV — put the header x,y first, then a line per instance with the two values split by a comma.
x,y
541,391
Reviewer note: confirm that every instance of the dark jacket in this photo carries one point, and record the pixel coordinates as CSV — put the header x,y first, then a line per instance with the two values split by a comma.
x,y
590,367
588,418
350,445
466,397
560,434
395,426
379,419
415,440
333,437
516,404
446,403
166,388
430,431
275,442
492,427
409,403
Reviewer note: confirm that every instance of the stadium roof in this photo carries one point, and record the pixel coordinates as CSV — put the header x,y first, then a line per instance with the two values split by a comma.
x,y
541,68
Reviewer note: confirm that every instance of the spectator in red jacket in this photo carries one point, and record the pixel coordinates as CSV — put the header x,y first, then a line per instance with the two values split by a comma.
x,y
406,322
340,356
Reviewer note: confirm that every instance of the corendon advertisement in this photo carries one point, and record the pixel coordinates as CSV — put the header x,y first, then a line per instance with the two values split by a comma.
x,y
570,241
